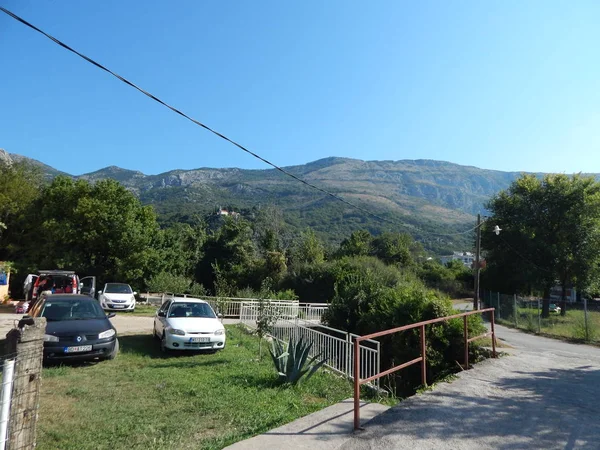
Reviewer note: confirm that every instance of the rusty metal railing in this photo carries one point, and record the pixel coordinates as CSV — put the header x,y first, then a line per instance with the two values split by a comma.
x,y
421,359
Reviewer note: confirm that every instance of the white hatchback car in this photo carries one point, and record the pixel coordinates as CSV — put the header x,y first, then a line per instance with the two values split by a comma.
x,y
188,324
117,296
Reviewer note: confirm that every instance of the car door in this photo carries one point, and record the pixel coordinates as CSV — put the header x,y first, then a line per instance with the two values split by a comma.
x,y
28,286
88,286
160,321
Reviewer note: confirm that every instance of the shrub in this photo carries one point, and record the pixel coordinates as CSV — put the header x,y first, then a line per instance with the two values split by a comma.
x,y
176,284
363,305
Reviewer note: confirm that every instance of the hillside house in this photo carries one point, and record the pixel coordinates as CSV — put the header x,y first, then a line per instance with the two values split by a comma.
x,y
467,258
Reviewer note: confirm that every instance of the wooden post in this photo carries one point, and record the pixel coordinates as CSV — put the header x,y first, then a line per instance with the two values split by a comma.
x,y
27,343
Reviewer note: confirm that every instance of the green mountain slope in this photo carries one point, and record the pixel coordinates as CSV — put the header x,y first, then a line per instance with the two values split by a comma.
x,y
426,198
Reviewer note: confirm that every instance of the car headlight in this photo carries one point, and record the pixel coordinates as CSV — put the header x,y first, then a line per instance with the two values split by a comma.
x,y
176,331
50,338
106,334
219,332
133,298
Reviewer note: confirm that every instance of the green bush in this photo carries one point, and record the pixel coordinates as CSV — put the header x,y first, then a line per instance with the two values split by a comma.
x,y
363,304
176,284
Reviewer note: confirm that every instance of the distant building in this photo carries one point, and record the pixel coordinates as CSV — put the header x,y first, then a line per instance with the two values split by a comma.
x,y
467,258
224,212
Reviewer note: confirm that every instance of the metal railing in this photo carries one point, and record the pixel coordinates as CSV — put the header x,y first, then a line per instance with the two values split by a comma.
x,y
231,306
336,346
423,350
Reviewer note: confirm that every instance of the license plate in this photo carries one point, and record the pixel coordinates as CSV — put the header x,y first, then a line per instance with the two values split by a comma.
x,y
118,306
200,339
79,348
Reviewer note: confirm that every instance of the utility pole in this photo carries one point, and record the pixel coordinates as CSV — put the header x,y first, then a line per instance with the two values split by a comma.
x,y
477,263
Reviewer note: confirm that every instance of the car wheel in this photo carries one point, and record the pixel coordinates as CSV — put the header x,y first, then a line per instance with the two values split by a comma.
x,y
115,350
163,343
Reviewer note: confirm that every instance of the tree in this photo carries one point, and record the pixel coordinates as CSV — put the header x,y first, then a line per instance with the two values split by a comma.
x,y
395,248
95,229
181,248
358,244
19,187
550,234
308,249
230,248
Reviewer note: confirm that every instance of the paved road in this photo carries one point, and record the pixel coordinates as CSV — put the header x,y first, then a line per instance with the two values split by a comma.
x,y
545,395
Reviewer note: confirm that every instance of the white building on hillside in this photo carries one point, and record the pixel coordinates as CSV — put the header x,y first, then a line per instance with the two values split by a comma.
x,y
467,258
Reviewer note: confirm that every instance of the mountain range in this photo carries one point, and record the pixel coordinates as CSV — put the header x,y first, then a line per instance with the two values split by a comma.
x,y
432,200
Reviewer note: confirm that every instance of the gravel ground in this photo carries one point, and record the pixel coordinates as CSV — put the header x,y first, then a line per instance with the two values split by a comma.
x,y
124,323
543,396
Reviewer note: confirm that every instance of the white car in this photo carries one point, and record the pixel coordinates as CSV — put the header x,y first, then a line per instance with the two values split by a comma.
x,y
188,324
117,296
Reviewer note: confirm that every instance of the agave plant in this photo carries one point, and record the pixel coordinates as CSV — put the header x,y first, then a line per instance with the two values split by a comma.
x,y
292,362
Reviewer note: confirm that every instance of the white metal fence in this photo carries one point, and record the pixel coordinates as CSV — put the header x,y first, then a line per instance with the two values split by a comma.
x,y
231,306
335,345
8,371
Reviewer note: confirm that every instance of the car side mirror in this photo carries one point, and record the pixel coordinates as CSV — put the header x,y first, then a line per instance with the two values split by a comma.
x,y
161,314
99,292
134,293
220,316
111,315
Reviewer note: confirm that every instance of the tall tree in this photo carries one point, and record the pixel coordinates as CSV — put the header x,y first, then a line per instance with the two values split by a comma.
x,y
308,249
19,186
96,229
550,233
358,244
395,248
232,251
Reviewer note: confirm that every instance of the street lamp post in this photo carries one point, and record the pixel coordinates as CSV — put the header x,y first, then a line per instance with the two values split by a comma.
x,y
477,263
497,230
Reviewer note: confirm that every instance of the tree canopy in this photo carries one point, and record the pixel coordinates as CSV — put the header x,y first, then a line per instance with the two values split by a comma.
x,y
550,234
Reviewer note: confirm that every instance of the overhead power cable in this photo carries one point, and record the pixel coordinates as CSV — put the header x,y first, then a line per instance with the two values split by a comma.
x,y
200,124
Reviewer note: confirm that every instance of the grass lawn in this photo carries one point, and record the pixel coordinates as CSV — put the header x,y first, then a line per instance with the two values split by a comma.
x,y
570,326
145,400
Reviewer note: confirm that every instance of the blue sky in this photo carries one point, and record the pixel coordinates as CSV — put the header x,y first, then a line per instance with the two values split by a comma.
x,y
505,85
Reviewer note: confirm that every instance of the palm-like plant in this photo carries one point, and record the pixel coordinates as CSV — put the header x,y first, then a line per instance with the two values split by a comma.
x,y
292,362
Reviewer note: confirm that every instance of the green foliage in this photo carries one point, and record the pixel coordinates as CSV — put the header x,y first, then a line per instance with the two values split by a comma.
x,y
266,316
454,278
394,248
19,187
292,361
551,234
176,284
358,244
308,249
366,301
231,249
180,247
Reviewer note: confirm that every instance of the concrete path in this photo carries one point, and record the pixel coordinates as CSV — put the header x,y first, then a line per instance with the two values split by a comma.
x,y
323,430
544,396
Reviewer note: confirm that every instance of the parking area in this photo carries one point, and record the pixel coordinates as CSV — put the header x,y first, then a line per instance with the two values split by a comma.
x,y
124,323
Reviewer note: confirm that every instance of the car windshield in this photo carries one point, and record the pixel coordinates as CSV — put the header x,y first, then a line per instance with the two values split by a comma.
x,y
191,309
117,288
57,310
